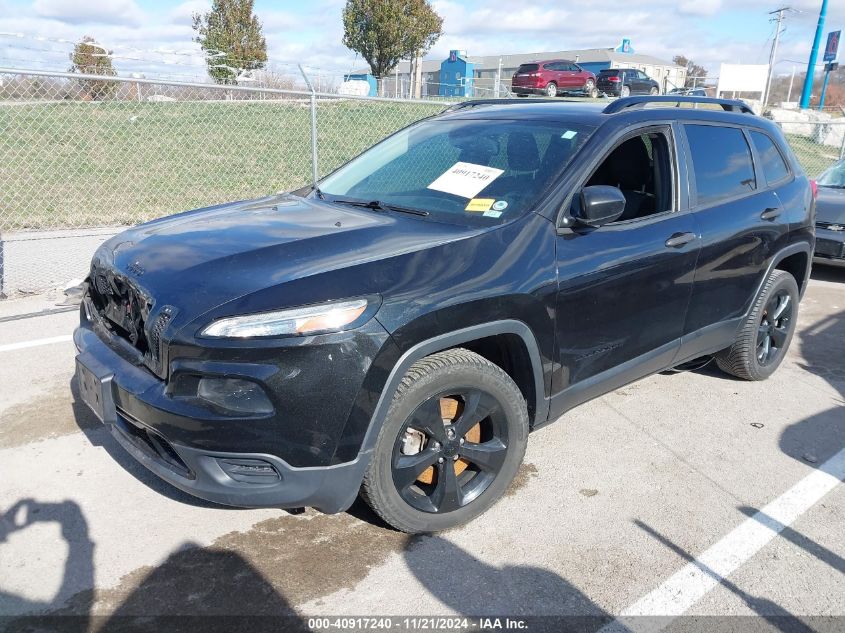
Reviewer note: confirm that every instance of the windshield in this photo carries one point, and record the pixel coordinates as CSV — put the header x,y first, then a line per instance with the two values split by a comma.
x,y
475,171
834,176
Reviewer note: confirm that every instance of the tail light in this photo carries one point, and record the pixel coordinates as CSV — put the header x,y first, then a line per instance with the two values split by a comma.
x,y
614,79
815,187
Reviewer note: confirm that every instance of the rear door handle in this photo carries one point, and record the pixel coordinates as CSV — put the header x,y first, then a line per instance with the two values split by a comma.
x,y
771,213
679,239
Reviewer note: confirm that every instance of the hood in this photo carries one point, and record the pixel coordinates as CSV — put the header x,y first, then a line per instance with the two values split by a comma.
x,y
830,205
201,259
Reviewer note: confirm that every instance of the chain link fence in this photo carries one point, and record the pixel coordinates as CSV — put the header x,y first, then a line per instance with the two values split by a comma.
x,y
81,157
817,144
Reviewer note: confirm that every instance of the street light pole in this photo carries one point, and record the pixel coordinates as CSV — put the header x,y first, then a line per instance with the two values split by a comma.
x,y
791,80
774,52
811,64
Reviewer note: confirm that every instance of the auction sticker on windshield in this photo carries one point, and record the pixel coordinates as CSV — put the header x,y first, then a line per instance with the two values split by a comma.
x,y
465,179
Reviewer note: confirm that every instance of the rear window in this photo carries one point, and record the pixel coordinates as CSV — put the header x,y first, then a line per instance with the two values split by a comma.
x,y
721,161
608,73
774,167
527,68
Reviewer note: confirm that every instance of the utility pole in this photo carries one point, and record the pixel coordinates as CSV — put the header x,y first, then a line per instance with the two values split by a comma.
x,y
811,64
774,52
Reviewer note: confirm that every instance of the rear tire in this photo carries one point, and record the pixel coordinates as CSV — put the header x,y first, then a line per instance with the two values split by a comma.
x,y
551,89
764,338
428,474
625,92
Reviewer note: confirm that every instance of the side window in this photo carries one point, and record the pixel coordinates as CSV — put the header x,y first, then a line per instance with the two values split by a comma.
x,y
774,167
641,167
721,161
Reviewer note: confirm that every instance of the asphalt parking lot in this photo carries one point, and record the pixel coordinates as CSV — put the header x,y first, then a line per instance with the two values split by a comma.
x,y
688,494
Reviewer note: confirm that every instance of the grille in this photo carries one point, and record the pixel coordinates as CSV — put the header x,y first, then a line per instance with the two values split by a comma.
x,y
151,443
831,226
102,285
124,310
156,342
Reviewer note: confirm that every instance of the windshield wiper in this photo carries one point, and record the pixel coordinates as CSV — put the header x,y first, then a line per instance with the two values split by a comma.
x,y
375,205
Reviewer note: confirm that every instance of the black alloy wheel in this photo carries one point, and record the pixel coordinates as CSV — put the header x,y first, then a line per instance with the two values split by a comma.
x,y
450,446
763,339
774,329
451,449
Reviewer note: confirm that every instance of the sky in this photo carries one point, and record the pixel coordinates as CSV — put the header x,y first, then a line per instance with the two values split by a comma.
x,y
154,36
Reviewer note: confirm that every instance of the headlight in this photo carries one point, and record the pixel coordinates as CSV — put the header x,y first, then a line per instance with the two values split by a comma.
x,y
309,320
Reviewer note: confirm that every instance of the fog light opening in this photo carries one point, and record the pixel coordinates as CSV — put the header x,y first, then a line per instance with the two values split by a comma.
x,y
234,394
250,471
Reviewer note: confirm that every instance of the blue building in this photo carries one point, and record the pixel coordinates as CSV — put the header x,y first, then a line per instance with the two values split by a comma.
x,y
456,75
372,81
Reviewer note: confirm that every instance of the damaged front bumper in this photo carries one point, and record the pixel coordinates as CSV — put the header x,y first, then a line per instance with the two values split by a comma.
x,y
126,396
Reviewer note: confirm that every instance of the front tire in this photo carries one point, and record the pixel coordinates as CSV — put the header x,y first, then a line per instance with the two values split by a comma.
x,y
452,443
590,89
765,336
654,91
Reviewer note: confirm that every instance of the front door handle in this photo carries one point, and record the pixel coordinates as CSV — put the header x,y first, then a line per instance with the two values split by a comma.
x,y
771,213
679,239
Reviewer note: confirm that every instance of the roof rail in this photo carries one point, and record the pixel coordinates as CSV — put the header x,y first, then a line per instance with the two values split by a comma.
x,y
728,105
471,103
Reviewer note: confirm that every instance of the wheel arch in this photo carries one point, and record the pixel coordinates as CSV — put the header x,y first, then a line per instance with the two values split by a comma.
x,y
798,265
508,341
782,258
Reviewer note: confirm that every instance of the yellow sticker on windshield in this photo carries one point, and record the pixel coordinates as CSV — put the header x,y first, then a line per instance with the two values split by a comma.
x,y
480,204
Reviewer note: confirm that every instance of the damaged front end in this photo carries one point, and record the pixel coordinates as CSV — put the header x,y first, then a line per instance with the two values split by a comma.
x,y
118,307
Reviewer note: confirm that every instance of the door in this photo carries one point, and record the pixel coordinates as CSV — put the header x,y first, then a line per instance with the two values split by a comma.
x,y
573,78
643,85
741,220
624,288
562,75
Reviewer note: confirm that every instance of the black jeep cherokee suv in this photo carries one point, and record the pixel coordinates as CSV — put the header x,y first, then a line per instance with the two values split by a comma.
x,y
399,328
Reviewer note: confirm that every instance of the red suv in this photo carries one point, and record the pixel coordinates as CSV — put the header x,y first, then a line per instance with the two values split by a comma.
x,y
553,77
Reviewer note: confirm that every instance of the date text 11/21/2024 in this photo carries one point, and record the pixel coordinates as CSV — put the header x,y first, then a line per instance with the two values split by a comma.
x,y
417,623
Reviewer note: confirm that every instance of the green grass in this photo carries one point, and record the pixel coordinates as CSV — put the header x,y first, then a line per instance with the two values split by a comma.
x,y
95,164
814,158
71,164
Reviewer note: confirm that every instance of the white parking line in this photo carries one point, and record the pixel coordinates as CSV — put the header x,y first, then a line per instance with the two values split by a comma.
x,y
692,582
36,343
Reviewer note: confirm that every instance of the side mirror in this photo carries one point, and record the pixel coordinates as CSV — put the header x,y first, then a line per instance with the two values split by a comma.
x,y
600,205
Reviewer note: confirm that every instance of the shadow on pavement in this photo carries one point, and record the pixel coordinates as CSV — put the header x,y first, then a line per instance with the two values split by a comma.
x,y
835,274
217,589
471,587
79,566
823,347
796,538
778,617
